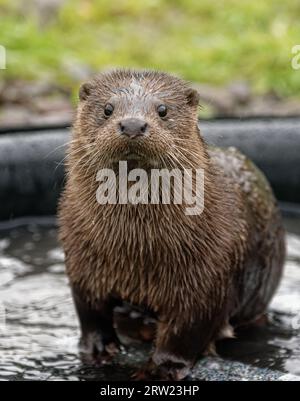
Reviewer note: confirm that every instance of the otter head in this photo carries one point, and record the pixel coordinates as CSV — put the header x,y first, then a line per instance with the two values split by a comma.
x,y
146,116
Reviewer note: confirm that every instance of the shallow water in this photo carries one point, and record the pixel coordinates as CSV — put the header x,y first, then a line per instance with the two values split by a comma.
x,y
39,331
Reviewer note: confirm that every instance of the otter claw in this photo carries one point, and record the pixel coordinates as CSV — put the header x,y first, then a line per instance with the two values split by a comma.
x,y
94,352
166,372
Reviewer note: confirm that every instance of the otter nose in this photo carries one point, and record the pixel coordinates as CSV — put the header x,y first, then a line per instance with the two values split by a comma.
x,y
133,127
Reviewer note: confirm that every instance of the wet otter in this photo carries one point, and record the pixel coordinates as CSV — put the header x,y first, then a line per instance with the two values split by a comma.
x,y
200,275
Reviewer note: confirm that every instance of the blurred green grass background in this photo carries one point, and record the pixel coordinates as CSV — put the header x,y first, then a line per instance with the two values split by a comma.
x,y
206,41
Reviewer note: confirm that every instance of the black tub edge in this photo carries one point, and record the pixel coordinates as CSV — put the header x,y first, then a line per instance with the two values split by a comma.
x,y
287,209
32,172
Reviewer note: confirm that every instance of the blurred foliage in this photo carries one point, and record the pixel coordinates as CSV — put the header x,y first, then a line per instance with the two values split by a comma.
x,y
204,41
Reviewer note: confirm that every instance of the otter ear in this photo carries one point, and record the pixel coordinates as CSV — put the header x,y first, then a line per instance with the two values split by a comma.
x,y
85,91
192,96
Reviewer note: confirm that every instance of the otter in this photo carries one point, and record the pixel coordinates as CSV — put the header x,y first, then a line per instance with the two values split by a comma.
x,y
201,276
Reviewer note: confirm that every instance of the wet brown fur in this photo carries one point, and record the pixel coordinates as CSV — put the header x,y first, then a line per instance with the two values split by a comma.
x,y
195,273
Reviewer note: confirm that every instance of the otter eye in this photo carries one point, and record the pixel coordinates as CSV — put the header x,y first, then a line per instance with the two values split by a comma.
x,y
108,109
162,110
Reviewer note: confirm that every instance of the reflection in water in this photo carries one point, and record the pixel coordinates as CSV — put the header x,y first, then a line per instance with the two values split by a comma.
x,y
39,332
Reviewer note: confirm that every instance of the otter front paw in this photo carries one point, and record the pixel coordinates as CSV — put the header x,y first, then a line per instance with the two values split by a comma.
x,y
94,351
166,371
